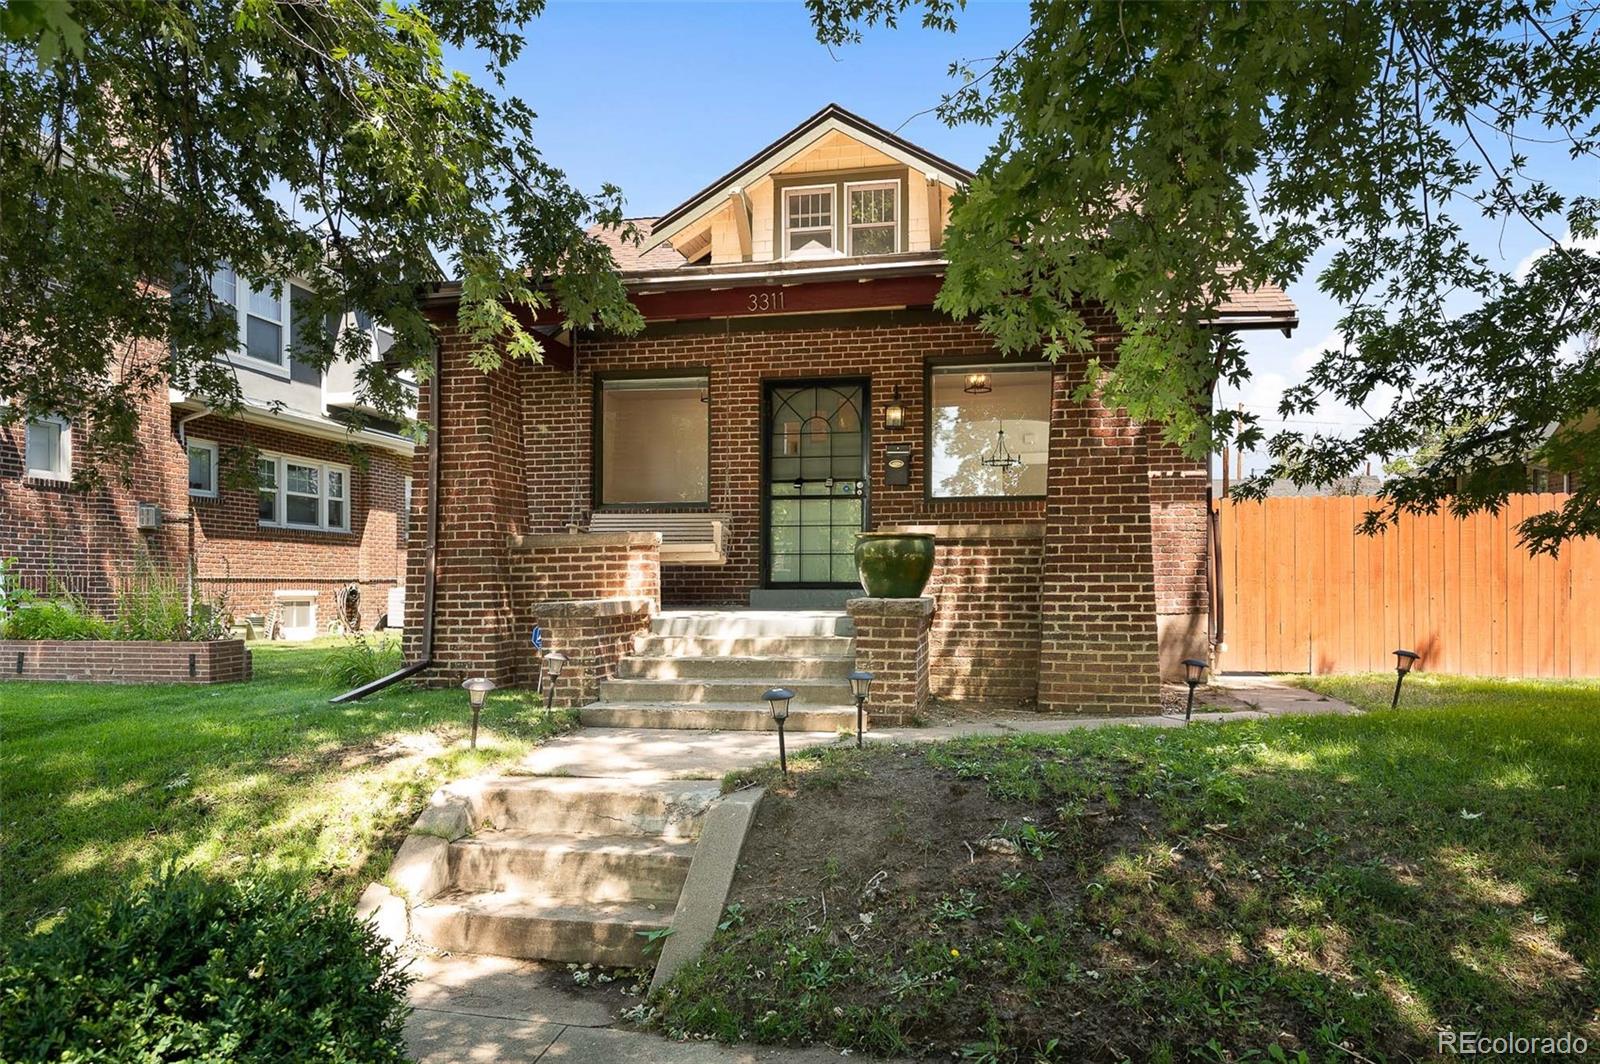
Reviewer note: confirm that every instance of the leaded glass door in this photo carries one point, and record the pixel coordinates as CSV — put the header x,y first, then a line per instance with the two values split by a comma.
x,y
815,482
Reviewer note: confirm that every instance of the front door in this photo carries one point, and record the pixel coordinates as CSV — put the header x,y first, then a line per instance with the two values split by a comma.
x,y
815,481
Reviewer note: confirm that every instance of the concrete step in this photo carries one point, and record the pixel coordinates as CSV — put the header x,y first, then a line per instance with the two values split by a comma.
x,y
803,598
586,806
539,927
834,691
718,716
754,669
725,624
754,646
604,868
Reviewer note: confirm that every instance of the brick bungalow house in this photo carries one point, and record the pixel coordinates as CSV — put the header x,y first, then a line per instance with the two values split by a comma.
x,y
792,387
328,511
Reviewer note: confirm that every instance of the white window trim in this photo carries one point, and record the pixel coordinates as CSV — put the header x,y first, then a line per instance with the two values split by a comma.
x,y
833,215
34,473
205,445
280,506
241,314
899,222
307,598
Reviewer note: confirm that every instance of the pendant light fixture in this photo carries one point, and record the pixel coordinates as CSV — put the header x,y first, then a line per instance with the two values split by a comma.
x,y
1001,457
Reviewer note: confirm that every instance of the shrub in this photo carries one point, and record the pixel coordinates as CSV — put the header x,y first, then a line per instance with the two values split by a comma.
x,y
187,968
359,660
58,618
153,604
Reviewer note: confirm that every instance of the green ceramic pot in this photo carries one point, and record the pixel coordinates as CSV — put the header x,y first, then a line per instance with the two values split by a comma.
x,y
894,564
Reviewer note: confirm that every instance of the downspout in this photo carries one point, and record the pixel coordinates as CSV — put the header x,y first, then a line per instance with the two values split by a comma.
x,y
430,551
191,569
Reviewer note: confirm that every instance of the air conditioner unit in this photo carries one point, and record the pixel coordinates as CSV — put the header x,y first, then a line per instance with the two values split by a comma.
x,y
149,516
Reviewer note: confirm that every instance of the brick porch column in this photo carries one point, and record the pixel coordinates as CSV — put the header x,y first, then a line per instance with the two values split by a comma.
x,y
1098,645
892,644
594,634
482,505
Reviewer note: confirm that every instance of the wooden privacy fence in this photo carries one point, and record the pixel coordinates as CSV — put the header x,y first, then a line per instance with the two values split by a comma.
x,y
1303,591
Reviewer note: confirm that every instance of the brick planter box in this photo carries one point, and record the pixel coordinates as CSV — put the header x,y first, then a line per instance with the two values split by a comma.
x,y
124,661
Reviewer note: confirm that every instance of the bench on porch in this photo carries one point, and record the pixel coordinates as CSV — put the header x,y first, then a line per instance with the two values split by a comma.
x,y
686,538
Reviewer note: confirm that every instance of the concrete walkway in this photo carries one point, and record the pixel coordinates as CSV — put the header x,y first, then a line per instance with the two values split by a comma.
x,y
472,1008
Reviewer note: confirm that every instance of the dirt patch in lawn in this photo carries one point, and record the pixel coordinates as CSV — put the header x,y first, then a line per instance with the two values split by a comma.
x,y
1127,894
889,856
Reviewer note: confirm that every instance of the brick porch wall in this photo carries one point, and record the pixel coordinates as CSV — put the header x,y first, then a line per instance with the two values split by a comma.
x,y
984,641
591,594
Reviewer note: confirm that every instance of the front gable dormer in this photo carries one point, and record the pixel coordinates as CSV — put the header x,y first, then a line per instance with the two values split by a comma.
x,y
835,187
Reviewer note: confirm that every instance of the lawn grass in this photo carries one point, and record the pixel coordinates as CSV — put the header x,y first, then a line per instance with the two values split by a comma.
x,y
1338,887
102,784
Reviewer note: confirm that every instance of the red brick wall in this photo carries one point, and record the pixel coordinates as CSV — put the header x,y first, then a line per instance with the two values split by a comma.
x,y
892,644
591,594
1178,537
558,429
483,470
119,661
85,540
518,442
1098,651
984,642
80,540
235,553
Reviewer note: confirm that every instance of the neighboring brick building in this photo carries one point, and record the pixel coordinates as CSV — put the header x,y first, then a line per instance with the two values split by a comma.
x,y
332,515
793,386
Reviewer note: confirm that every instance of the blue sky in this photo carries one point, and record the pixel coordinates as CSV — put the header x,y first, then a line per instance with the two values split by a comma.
x,y
661,98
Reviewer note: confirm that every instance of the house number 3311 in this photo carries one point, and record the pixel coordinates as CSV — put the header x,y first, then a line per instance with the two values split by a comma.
x,y
766,300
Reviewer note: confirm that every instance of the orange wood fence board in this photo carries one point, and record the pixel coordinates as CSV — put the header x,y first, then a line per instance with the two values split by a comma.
x,y
1302,590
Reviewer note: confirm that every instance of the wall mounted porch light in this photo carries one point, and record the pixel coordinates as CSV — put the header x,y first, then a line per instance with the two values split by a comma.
x,y
478,688
1193,670
978,384
860,687
778,698
551,669
894,415
1403,660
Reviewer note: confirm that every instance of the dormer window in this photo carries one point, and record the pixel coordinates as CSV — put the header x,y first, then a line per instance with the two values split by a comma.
x,y
808,222
874,218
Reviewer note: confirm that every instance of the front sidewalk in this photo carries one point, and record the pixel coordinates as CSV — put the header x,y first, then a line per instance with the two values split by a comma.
x,y
477,1008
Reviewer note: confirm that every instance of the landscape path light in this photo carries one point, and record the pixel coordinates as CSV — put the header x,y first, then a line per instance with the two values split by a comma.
x,y
860,687
478,688
553,662
1403,660
778,698
1193,670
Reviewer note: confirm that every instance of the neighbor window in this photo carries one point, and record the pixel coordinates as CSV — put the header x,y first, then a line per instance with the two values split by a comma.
x,y
49,448
654,439
808,222
988,431
297,614
263,318
296,493
874,218
203,468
